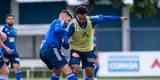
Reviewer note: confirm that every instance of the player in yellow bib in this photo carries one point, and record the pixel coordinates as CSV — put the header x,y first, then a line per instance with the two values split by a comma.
x,y
80,40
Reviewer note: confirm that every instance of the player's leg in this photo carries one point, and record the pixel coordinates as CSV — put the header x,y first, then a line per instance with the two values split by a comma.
x,y
4,72
96,68
17,71
88,61
3,68
55,74
96,65
15,62
56,62
44,55
62,64
75,62
69,73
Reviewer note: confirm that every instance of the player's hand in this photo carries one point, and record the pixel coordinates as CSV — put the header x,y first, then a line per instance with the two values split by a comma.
x,y
9,51
124,18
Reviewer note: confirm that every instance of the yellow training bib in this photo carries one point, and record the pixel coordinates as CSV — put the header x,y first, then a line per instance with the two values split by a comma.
x,y
82,38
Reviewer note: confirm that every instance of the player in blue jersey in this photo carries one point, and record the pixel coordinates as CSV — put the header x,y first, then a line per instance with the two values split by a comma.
x,y
96,65
11,55
81,42
50,51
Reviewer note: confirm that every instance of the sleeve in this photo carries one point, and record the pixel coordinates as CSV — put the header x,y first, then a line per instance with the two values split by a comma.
x,y
57,27
100,19
70,30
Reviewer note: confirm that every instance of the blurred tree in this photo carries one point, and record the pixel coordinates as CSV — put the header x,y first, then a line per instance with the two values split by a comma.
x,y
144,7
117,3
139,7
92,2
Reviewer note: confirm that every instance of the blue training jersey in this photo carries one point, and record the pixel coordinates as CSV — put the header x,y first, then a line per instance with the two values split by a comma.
x,y
11,36
54,36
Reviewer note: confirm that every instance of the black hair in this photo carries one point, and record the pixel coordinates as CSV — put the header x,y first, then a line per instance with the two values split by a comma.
x,y
9,15
67,12
81,10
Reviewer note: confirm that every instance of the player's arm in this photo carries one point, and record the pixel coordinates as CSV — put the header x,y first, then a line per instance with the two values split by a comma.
x,y
2,42
67,35
4,46
56,26
100,18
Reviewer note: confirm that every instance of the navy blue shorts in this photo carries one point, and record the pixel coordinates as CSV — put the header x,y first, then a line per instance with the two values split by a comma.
x,y
12,58
1,58
52,57
87,58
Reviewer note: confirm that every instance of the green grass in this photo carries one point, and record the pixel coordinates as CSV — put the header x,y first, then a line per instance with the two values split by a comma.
x,y
105,79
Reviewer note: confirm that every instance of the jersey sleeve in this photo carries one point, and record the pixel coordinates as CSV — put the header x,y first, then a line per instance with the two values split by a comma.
x,y
100,19
69,31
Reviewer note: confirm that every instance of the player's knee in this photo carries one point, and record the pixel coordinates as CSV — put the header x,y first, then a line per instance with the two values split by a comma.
x,y
76,69
89,71
16,67
4,70
67,69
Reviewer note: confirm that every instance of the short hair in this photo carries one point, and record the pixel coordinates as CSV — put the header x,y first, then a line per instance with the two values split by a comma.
x,y
9,15
81,10
67,12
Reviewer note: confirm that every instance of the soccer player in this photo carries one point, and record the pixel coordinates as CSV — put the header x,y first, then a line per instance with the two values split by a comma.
x,y
3,67
96,65
81,42
11,53
50,51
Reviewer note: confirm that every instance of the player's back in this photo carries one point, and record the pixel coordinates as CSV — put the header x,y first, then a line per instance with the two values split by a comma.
x,y
55,34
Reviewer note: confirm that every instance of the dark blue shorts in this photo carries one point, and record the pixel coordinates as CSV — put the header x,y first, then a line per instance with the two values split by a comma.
x,y
12,58
87,58
52,57
1,58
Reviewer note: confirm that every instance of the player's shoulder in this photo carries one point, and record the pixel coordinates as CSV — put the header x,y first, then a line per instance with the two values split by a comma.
x,y
70,25
72,22
54,22
14,27
3,27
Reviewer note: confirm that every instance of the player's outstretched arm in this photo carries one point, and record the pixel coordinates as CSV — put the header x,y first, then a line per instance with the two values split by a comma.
x,y
101,18
123,18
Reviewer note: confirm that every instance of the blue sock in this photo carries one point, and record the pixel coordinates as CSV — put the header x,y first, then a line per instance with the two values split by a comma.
x,y
18,75
54,77
96,70
72,76
88,78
